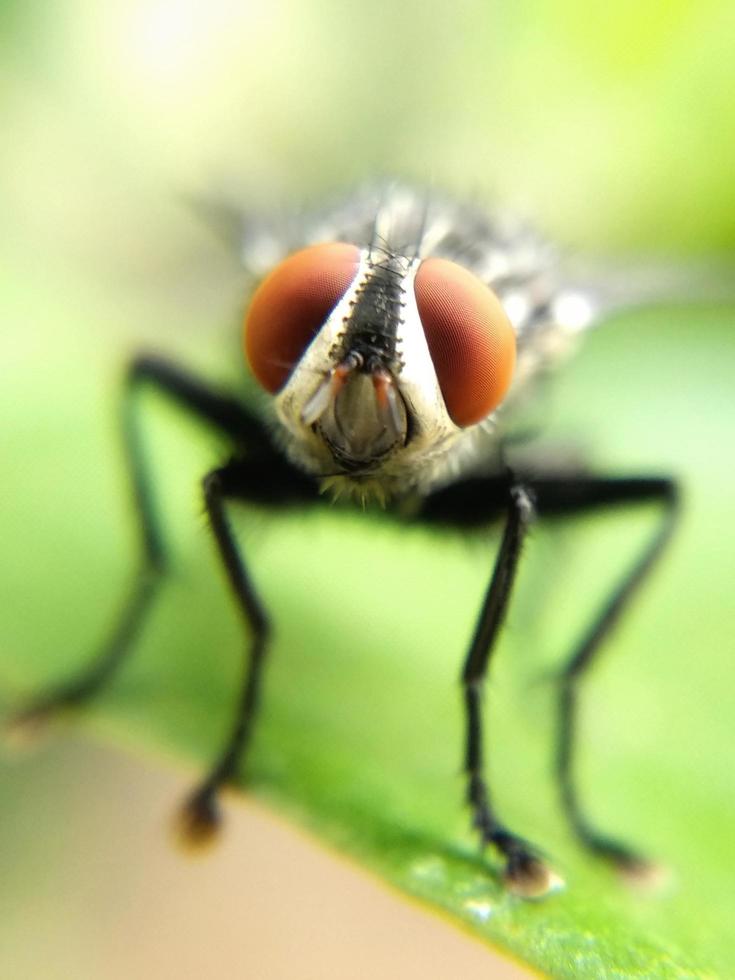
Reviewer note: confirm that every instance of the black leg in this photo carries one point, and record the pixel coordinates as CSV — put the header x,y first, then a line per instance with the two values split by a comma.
x,y
200,817
525,873
474,503
215,410
583,494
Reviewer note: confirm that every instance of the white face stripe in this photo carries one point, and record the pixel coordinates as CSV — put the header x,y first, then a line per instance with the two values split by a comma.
x,y
416,380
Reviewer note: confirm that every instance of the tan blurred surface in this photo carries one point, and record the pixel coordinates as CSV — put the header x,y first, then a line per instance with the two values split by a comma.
x,y
268,904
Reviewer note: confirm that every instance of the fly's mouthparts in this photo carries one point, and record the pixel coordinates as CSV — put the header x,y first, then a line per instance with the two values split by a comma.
x,y
317,405
329,388
360,411
389,402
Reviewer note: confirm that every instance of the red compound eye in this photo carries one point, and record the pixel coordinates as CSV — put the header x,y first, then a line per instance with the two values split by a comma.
x,y
291,304
470,338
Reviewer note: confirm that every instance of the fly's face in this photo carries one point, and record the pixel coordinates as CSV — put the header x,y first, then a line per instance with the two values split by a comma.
x,y
381,364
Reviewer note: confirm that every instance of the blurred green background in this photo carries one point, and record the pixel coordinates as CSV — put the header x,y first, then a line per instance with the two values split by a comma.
x,y
614,129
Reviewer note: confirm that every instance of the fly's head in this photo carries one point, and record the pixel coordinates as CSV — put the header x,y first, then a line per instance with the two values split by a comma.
x,y
379,363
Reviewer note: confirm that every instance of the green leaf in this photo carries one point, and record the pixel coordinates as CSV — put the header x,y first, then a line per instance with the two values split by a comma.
x,y
360,734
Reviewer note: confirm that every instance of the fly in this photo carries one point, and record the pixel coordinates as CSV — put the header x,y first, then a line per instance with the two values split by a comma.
x,y
397,336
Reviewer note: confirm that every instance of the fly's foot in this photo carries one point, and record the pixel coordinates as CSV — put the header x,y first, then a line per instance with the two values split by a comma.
x,y
198,822
26,727
526,874
645,876
635,870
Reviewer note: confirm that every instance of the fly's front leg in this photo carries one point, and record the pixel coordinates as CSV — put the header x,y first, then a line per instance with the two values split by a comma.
x,y
525,872
200,815
216,410
471,505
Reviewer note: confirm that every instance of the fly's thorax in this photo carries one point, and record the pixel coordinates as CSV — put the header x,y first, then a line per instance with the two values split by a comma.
x,y
363,408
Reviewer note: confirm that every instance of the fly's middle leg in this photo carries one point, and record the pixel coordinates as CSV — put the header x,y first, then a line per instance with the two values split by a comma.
x,y
216,410
573,496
